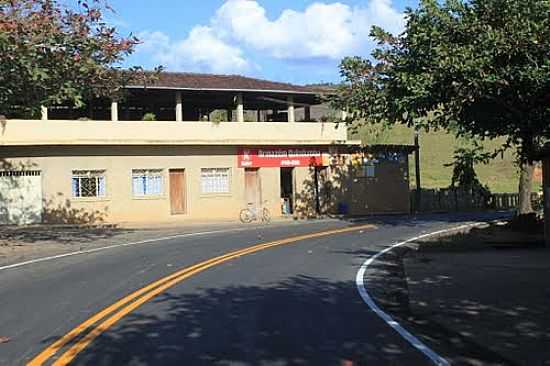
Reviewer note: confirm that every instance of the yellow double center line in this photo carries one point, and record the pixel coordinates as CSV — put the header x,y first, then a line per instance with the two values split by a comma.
x,y
134,300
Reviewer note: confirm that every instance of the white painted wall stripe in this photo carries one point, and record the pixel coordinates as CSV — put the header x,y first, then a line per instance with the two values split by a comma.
x,y
409,337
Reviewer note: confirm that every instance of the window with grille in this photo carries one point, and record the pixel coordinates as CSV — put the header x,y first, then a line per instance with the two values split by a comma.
x,y
89,183
215,180
147,182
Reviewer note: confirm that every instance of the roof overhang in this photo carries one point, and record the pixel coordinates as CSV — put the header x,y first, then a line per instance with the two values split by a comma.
x,y
266,91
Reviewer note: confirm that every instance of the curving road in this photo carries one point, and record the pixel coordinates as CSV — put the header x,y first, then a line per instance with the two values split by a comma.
x,y
294,304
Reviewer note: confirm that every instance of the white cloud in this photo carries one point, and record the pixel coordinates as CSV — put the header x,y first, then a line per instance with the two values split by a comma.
x,y
322,31
201,51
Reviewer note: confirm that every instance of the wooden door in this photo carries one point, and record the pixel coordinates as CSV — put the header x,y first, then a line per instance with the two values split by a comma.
x,y
252,187
177,192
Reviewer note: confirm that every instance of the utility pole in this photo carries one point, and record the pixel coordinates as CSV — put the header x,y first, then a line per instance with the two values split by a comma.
x,y
418,192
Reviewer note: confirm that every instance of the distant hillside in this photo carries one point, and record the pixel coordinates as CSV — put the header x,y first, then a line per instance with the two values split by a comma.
x,y
436,149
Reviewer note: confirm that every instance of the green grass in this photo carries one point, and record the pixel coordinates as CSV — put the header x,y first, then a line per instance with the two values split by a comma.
x,y
436,150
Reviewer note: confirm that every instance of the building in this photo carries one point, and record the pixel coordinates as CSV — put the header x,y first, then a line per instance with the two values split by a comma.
x,y
193,147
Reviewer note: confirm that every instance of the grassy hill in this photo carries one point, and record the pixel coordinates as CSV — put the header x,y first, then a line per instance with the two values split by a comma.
x,y
436,149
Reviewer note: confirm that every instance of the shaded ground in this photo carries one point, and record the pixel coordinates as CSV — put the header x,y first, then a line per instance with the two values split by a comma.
x,y
22,243
479,298
301,320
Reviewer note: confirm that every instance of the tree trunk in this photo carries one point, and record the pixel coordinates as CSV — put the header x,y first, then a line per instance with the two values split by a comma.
x,y
525,188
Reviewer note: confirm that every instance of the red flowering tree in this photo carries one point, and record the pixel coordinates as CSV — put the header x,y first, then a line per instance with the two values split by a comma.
x,y
51,53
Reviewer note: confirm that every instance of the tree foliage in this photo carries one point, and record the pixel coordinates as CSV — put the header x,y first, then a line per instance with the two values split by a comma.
x,y
481,67
52,54
464,161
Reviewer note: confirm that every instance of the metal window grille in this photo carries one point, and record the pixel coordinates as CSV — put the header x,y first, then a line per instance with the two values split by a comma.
x,y
147,182
89,183
215,180
19,173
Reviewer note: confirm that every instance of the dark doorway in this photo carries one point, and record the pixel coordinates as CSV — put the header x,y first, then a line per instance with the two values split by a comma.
x,y
287,190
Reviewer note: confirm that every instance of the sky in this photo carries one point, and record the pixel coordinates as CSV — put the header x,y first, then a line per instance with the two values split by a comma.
x,y
296,41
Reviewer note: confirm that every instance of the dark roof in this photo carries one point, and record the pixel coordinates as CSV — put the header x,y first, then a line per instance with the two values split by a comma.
x,y
193,81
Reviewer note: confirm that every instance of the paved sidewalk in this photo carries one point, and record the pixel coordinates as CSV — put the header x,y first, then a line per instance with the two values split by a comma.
x,y
483,307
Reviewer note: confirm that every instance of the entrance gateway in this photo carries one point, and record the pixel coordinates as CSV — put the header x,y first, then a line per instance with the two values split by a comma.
x,y
287,190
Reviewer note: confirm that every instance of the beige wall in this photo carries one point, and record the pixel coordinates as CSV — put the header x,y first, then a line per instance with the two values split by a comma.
x,y
120,205
388,192
32,133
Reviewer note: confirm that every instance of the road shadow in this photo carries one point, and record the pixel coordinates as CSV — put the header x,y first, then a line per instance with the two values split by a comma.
x,y
60,234
300,321
415,220
388,283
479,296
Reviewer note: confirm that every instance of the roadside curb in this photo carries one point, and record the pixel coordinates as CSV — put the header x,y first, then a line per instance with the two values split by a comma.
x,y
433,356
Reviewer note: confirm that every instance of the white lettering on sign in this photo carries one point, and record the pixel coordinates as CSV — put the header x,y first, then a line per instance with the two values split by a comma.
x,y
288,153
290,162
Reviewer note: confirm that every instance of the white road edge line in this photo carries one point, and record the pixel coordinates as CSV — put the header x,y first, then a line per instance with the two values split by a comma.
x,y
360,283
93,250
141,242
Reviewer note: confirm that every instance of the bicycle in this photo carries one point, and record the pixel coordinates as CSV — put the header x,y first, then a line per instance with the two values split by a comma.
x,y
250,214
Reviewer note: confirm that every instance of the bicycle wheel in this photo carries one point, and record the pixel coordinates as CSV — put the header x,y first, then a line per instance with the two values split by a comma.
x,y
266,216
246,216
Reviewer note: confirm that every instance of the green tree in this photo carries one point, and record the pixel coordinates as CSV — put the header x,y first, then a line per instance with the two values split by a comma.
x,y
52,53
464,161
477,67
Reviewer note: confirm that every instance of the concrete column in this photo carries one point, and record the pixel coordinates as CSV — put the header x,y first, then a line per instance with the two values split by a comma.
x,y
114,111
240,108
43,113
291,115
307,113
179,107
258,115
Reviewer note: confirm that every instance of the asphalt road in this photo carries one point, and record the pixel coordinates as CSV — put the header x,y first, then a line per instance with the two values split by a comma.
x,y
290,305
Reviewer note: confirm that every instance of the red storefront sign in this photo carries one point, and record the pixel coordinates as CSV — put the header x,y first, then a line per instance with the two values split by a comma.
x,y
275,157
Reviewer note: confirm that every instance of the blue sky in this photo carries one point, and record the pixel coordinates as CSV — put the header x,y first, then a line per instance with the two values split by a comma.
x,y
295,41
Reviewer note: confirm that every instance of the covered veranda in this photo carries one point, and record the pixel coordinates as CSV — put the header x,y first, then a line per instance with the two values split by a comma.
x,y
200,97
